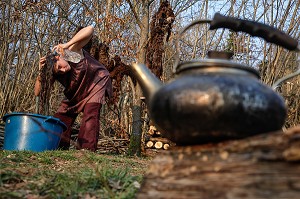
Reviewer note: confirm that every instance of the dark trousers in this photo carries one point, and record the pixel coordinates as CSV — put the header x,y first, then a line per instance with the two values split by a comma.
x,y
89,128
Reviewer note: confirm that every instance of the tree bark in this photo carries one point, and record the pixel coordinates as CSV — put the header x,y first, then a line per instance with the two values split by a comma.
x,y
263,166
136,135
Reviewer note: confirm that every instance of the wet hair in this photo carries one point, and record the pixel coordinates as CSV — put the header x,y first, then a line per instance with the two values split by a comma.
x,y
46,78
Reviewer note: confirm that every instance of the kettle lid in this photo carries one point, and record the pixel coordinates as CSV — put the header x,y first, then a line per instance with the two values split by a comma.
x,y
219,59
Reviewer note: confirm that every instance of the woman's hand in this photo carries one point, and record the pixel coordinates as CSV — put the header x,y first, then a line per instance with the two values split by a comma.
x,y
37,85
42,62
60,48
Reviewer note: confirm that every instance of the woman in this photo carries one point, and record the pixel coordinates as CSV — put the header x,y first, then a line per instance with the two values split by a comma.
x,y
86,83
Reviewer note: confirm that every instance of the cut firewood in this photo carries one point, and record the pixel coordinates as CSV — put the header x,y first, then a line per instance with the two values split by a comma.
x,y
158,145
112,145
152,130
160,139
166,146
149,144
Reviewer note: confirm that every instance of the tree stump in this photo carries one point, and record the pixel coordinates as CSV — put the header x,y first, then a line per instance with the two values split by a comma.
x,y
262,166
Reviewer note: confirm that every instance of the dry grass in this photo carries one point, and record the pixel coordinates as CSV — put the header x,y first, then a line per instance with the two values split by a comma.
x,y
70,174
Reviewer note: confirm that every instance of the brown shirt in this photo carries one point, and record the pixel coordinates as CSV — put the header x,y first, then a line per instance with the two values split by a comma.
x,y
87,81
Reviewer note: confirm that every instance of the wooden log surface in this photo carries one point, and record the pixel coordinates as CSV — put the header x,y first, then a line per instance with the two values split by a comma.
x,y
158,145
160,139
149,144
262,166
166,146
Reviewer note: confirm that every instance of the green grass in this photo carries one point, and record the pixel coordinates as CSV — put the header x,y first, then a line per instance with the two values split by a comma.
x,y
69,174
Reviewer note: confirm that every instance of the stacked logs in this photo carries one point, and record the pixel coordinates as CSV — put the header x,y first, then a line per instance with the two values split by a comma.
x,y
107,144
154,140
114,145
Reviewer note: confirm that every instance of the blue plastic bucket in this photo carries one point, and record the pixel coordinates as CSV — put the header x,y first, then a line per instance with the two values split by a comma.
x,y
33,132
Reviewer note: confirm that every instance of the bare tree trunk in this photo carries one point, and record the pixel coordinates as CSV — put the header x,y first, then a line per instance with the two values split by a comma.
x,y
151,53
136,135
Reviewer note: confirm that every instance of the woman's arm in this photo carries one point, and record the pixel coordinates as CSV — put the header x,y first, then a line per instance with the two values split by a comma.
x,y
37,85
79,40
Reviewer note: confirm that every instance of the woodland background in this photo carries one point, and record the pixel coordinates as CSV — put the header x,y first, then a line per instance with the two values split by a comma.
x,y
138,31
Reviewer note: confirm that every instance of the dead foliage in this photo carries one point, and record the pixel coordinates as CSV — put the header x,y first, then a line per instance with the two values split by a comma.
x,y
160,30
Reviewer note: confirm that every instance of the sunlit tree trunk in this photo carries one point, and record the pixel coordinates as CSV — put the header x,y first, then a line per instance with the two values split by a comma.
x,y
143,23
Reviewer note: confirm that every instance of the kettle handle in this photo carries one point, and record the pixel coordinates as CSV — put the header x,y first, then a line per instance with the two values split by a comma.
x,y
270,34
264,31
253,28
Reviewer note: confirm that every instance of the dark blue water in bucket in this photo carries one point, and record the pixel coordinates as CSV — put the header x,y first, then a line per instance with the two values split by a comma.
x,y
33,132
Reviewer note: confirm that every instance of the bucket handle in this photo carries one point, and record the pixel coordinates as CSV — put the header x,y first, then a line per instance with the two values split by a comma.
x,y
56,121
52,119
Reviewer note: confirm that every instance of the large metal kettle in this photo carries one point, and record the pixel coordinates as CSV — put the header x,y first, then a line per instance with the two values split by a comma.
x,y
216,99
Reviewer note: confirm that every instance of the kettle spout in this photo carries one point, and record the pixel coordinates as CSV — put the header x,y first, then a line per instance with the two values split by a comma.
x,y
146,79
